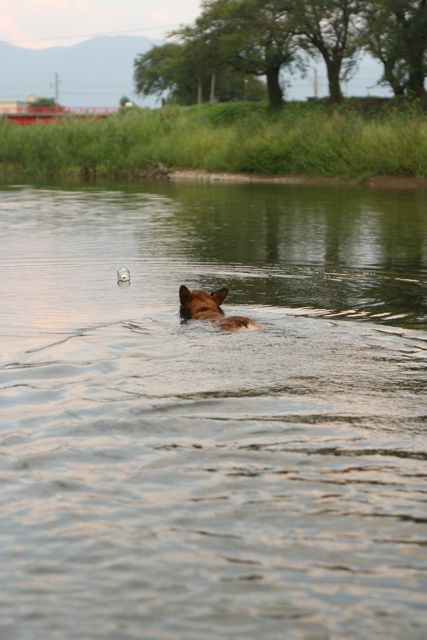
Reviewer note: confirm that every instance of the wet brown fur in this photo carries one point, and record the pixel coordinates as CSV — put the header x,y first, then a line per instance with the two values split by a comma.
x,y
204,306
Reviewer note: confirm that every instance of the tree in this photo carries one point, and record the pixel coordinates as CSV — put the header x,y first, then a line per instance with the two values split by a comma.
x,y
170,69
332,27
176,71
396,34
158,70
126,103
381,42
253,36
43,102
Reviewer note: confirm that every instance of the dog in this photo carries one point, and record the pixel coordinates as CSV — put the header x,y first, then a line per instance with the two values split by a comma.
x,y
204,306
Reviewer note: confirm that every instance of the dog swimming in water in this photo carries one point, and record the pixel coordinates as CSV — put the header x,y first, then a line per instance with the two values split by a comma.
x,y
206,307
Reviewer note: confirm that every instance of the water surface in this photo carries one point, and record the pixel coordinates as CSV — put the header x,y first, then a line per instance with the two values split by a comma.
x,y
162,480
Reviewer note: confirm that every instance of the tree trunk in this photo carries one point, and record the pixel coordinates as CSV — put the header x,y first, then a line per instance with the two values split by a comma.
x,y
390,76
199,91
245,88
398,89
212,89
416,76
275,93
414,45
333,68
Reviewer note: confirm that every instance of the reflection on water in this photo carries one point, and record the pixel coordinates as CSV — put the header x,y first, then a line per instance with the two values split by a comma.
x,y
170,481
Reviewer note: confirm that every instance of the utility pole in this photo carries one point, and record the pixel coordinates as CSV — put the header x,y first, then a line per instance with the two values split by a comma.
x,y
315,83
212,89
199,91
56,87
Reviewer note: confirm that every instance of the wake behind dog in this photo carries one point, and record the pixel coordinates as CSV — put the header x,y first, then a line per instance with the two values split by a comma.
x,y
206,307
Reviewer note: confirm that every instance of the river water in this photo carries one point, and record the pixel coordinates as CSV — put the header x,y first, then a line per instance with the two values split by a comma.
x,y
164,481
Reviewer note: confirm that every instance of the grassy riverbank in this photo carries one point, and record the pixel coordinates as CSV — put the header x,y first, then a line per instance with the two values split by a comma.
x,y
309,139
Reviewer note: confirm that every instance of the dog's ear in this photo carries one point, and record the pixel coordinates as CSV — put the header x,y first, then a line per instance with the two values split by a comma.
x,y
184,294
220,295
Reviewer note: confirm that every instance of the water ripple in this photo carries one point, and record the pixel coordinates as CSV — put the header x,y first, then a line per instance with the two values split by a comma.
x,y
173,479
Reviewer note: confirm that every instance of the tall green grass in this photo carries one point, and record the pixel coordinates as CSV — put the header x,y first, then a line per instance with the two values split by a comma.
x,y
308,139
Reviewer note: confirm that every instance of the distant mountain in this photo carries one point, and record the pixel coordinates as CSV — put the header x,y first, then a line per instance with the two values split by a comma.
x,y
96,72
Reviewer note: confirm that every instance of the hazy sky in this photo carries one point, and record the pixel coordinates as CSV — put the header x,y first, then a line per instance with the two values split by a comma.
x,y
42,23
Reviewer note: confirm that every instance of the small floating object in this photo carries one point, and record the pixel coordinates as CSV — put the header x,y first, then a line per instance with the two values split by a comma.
x,y
123,275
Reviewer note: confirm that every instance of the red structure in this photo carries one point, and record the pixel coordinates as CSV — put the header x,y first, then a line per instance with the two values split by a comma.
x,y
30,115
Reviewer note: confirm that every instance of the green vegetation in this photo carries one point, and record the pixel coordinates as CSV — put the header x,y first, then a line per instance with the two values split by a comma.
x,y
312,138
271,38
44,102
174,69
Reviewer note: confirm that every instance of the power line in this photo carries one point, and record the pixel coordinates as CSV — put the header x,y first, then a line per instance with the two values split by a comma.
x,y
90,35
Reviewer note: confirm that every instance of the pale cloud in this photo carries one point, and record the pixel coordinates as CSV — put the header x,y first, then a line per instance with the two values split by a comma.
x,y
40,23
160,18
10,25
83,7
61,5
50,4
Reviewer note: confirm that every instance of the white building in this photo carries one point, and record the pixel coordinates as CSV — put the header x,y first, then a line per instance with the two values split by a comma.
x,y
13,106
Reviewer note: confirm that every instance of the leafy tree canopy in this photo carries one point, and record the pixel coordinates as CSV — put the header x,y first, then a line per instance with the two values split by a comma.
x,y
172,72
253,36
331,28
396,34
236,39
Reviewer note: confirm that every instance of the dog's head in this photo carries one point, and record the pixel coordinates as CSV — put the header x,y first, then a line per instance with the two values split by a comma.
x,y
194,302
